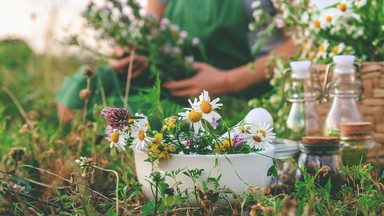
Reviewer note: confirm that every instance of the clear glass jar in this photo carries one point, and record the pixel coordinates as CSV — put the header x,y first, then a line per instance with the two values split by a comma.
x,y
302,90
345,89
286,152
358,143
321,158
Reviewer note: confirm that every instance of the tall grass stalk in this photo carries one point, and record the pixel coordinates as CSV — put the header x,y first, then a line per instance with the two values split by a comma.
x,y
128,84
117,185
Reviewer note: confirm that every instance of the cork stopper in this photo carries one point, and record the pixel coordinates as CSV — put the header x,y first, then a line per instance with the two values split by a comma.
x,y
355,128
320,141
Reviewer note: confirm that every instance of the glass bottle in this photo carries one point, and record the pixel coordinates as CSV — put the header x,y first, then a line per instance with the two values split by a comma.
x,y
321,158
358,144
345,89
302,90
286,152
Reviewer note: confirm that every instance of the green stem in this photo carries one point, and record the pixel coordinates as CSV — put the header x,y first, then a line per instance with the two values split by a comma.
x,y
86,101
117,185
156,196
195,188
128,84
17,103
45,185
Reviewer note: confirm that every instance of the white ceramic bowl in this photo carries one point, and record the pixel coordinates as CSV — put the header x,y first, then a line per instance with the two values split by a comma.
x,y
236,170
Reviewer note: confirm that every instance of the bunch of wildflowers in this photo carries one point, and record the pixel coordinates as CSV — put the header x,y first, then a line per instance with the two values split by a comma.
x,y
123,23
191,132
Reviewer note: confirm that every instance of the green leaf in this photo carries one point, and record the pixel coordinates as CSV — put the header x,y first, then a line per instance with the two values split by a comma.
x,y
332,6
162,187
164,208
149,208
168,201
272,171
133,194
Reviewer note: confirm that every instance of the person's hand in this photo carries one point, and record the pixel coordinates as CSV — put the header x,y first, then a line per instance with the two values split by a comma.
x,y
207,78
121,65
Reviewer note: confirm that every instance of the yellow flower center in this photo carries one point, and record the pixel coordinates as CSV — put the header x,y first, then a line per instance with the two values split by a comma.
x,y
335,49
114,136
141,135
322,48
219,148
262,132
131,121
194,116
206,107
328,19
257,138
158,138
227,143
316,23
342,6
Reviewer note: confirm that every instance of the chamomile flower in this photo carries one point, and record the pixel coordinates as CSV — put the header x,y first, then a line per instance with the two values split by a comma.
x,y
207,107
260,134
322,50
316,25
140,138
240,130
338,48
118,139
329,20
194,118
360,3
342,6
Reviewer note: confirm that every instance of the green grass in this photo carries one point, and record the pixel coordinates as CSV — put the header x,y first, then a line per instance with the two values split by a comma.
x,y
38,173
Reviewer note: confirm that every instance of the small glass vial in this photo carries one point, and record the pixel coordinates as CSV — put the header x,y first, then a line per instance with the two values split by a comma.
x,y
358,144
321,158
286,152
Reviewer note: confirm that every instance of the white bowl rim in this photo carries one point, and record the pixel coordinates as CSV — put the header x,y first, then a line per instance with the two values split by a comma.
x,y
267,150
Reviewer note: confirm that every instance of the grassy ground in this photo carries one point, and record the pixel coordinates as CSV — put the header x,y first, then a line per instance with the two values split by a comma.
x,y
38,173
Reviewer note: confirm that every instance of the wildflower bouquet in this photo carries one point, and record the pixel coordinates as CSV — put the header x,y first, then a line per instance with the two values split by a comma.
x,y
191,132
169,50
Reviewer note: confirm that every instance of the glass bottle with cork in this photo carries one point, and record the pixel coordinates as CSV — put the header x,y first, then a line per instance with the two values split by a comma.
x,y
358,144
345,89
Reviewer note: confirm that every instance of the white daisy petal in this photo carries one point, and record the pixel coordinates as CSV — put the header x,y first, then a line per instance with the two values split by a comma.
x,y
118,139
140,137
